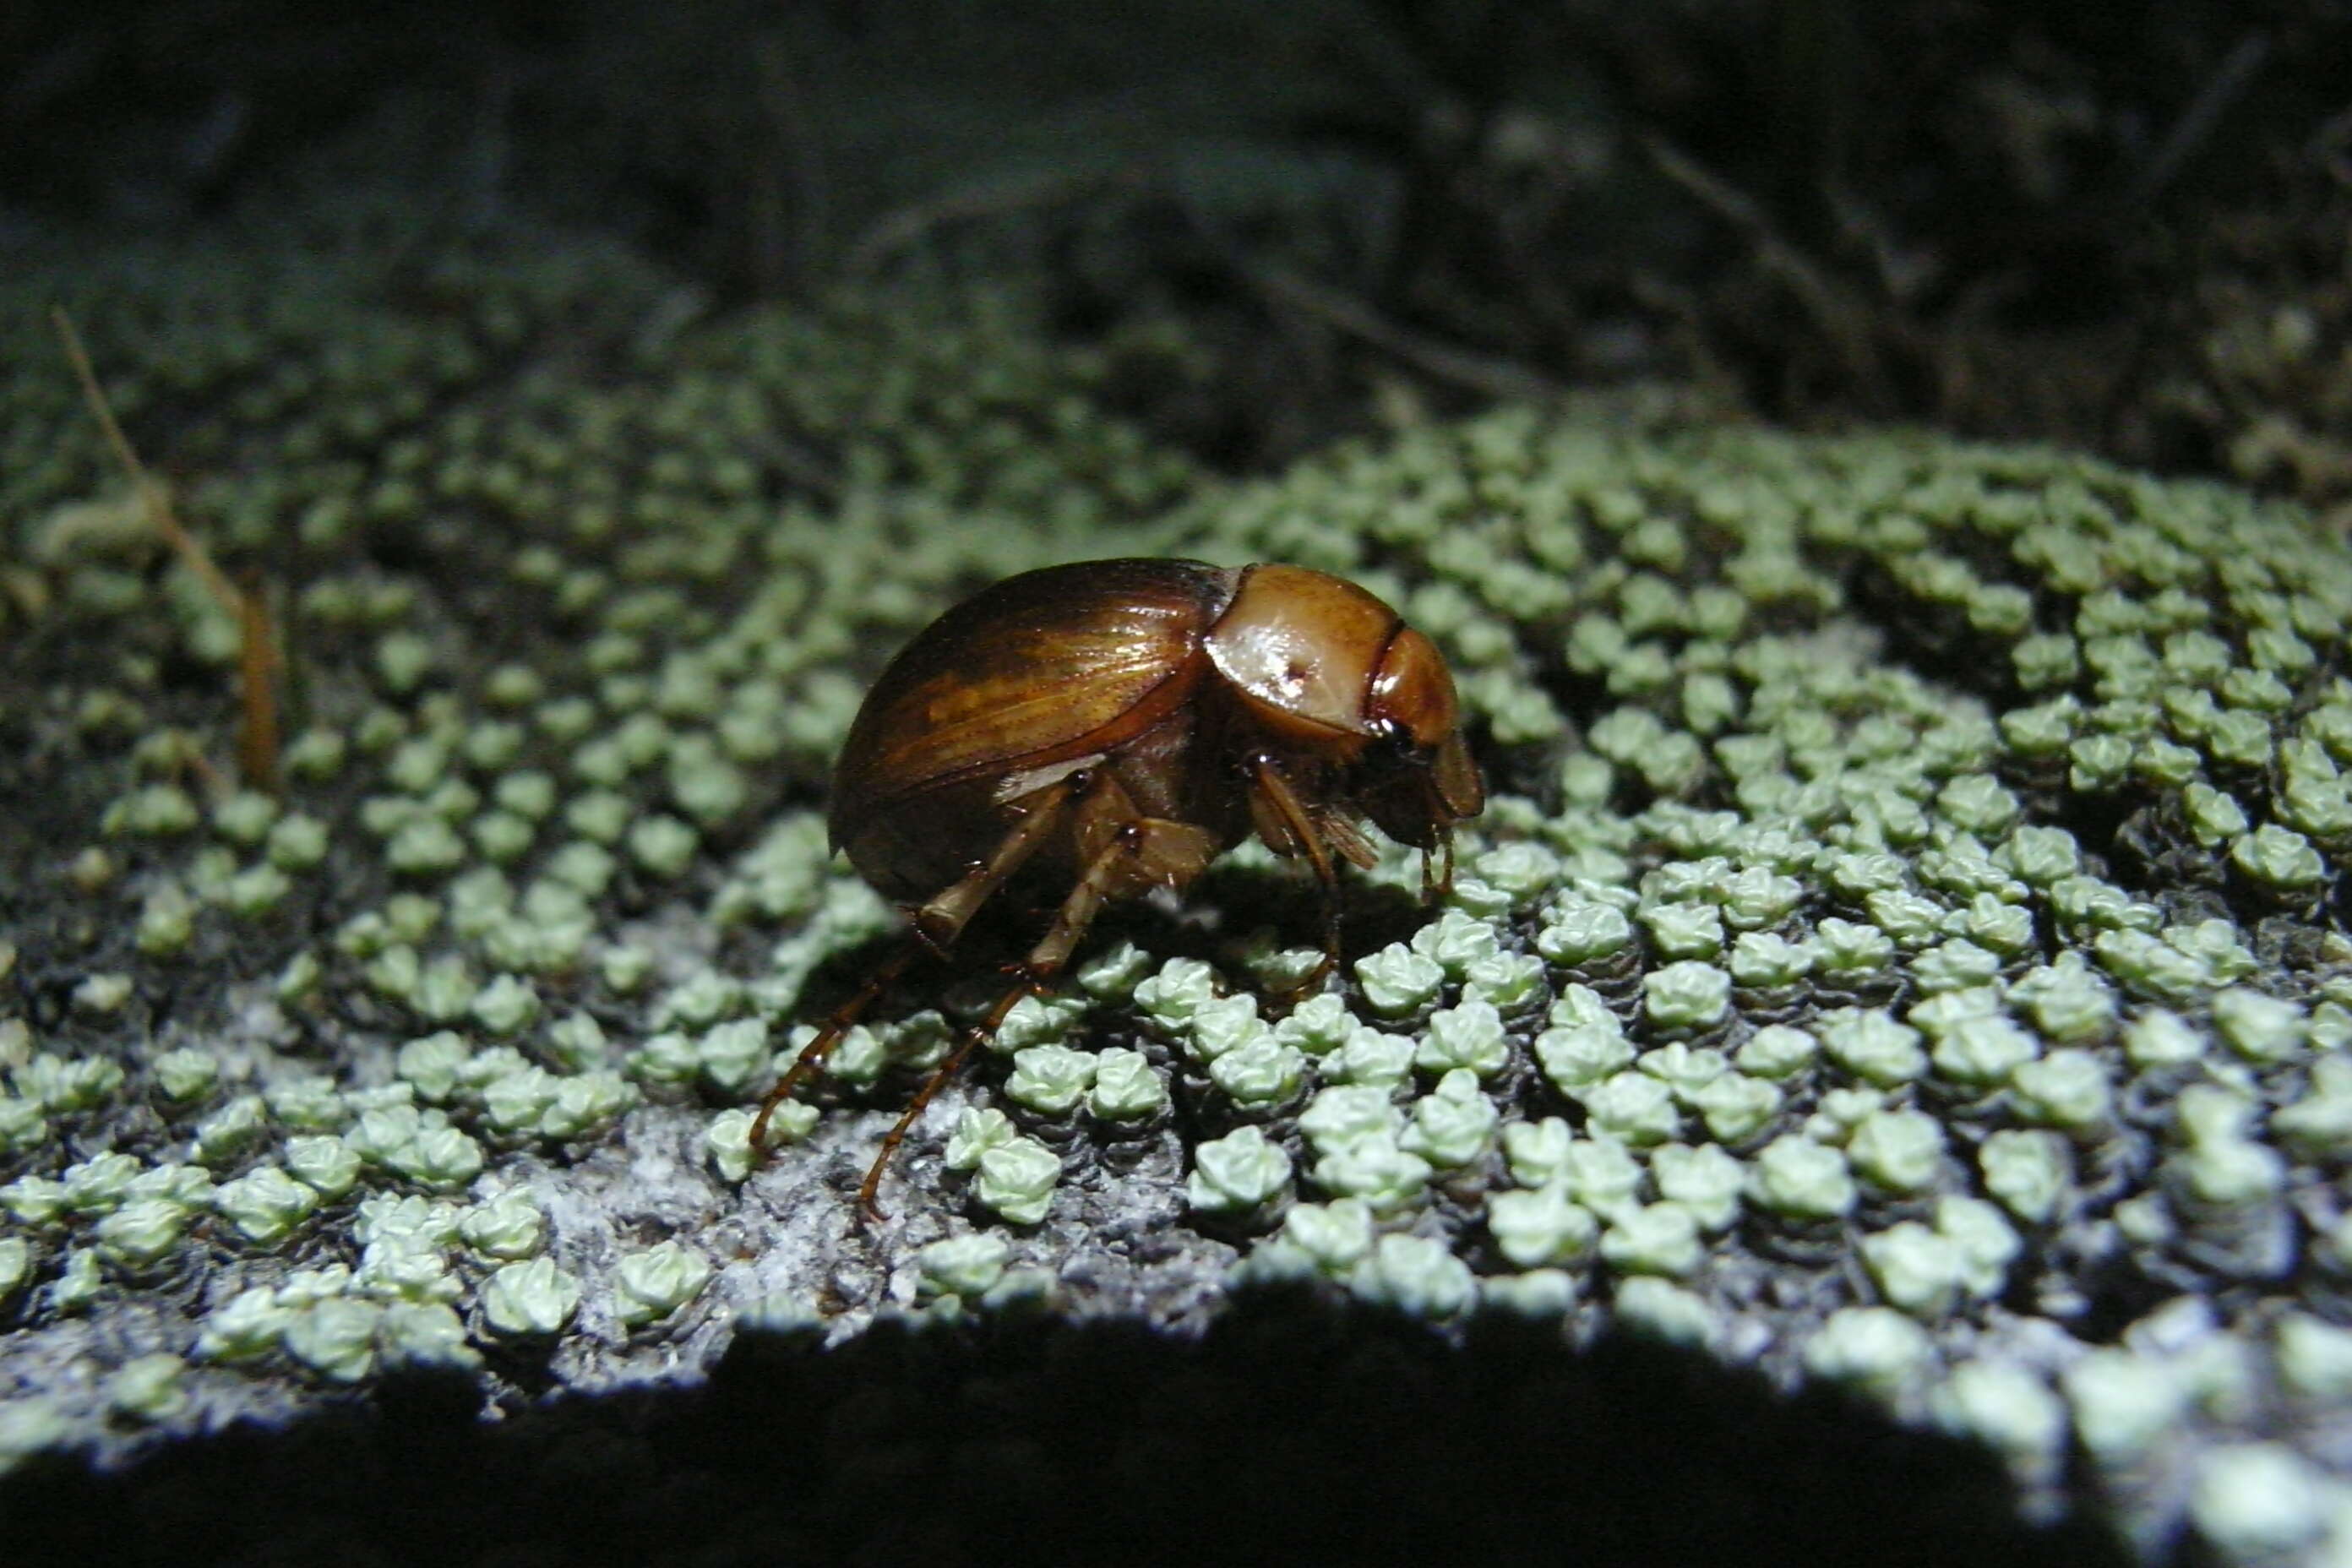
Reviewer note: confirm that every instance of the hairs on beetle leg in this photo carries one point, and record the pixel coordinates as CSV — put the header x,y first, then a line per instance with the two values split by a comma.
x,y
829,1035
1028,984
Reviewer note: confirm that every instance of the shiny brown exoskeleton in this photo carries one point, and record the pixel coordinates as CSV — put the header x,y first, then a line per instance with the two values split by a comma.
x,y
1113,726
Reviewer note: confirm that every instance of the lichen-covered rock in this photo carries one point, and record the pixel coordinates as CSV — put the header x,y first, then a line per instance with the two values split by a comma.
x,y
1903,934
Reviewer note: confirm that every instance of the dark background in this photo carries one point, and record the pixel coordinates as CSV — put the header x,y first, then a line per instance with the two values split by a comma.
x,y
2110,224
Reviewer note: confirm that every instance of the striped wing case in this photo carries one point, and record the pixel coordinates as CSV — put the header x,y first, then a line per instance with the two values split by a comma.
x,y
1049,665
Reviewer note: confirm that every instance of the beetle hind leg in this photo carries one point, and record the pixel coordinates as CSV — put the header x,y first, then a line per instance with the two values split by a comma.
x,y
942,917
1027,983
828,1036
1125,853
935,925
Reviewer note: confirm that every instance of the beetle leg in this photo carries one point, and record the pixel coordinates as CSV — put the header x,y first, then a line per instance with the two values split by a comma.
x,y
1129,856
1347,840
1435,883
1126,853
1272,796
828,1036
942,919
936,926
1027,981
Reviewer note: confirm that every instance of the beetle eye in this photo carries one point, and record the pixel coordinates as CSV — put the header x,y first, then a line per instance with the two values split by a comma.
x,y
1412,690
1394,749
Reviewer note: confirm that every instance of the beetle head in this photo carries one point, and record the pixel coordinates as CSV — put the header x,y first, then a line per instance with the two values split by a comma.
x,y
1417,794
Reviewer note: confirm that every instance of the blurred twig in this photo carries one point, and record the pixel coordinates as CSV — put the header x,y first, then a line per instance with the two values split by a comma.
x,y
258,655
154,499
1496,378
2196,124
1851,326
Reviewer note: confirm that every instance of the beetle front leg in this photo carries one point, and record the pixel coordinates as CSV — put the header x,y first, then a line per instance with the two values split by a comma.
x,y
1276,806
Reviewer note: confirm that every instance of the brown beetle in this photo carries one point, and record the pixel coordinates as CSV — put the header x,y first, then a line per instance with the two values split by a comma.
x,y
1108,727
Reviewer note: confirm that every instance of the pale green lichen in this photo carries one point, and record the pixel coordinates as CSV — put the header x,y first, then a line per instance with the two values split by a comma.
x,y
265,1203
657,1282
2006,1407
1375,1169
1656,1238
334,1336
143,1231
1261,1071
2123,1403
1051,1079
530,1299
1665,1311
1416,1275
1126,1088
424,1335
1453,1126
1874,1349
1237,1172
968,1266
509,1226
148,1388
1806,1180
2260,1500
1632,1106
1016,1179
1397,981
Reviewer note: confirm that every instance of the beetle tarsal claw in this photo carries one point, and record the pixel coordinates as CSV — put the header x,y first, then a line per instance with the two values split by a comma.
x,y
1291,995
1106,730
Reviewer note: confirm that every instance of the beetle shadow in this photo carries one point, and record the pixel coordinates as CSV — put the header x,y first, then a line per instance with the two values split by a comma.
x,y
840,975
1287,901
1224,911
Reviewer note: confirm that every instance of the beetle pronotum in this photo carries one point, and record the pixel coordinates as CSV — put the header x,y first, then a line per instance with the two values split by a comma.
x,y
1109,727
